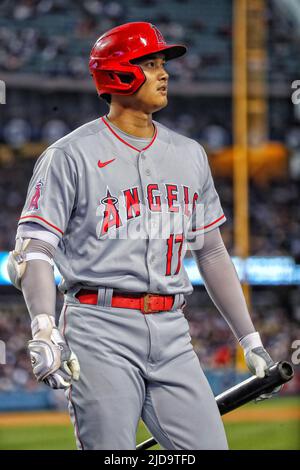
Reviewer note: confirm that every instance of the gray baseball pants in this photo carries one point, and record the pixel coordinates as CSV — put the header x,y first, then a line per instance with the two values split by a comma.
x,y
137,365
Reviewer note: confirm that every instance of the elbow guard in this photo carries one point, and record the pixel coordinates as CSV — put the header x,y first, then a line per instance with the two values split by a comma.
x,y
18,258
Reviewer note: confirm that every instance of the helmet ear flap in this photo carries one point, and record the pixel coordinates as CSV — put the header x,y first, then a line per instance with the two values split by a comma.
x,y
126,80
125,77
121,77
114,78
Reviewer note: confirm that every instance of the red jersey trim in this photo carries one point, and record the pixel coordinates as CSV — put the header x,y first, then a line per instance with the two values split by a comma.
x,y
209,225
126,143
44,220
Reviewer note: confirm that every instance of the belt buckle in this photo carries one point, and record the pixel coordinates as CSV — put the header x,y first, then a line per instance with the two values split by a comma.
x,y
146,308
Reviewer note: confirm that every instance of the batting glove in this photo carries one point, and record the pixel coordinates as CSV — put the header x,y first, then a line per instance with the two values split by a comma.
x,y
52,360
258,360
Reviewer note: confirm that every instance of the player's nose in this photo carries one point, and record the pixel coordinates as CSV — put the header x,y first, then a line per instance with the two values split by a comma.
x,y
163,74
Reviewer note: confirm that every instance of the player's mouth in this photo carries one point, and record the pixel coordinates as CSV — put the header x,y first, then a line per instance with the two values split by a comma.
x,y
163,89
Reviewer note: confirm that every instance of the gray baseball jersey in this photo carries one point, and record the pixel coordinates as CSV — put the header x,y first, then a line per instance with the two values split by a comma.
x,y
109,202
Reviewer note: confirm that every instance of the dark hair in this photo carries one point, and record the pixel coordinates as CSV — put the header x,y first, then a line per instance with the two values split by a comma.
x,y
106,97
153,55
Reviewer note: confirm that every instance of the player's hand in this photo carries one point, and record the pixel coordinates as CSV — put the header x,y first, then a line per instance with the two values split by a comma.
x,y
258,361
52,360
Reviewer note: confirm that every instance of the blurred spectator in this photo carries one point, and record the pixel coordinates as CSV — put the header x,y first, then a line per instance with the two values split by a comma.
x,y
292,138
54,130
222,357
16,132
215,136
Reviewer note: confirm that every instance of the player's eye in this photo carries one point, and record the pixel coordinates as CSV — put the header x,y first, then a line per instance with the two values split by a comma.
x,y
150,64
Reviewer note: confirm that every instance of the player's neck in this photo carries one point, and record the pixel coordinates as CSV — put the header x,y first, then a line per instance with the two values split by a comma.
x,y
133,122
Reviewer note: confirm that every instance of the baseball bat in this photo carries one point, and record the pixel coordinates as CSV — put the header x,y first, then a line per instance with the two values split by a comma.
x,y
244,392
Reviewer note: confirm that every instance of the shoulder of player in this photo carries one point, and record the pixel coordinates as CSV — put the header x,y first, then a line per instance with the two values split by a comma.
x,y
77,137
179,139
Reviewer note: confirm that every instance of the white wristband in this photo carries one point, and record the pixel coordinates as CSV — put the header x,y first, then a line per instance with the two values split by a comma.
x,y
251,341
32,256
42,322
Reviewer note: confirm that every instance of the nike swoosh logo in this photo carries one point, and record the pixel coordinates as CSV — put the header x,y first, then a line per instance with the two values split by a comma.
x,y
103,164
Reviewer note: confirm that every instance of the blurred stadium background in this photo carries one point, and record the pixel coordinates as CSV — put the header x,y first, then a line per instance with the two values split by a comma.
x,y
44,49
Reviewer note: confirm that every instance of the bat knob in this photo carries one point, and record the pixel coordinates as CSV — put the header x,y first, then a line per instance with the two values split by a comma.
x,y
286,370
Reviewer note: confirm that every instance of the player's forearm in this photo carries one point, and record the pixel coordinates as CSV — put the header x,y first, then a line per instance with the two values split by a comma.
x,y
222,284
38,288
30,270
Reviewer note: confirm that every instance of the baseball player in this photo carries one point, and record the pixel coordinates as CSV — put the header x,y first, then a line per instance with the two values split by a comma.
x,y
115,204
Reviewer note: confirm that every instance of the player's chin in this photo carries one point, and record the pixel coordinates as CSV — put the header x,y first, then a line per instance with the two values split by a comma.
x,y
160,102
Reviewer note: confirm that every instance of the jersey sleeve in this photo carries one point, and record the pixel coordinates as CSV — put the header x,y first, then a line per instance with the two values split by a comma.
x,y
207,212
51,192
38,232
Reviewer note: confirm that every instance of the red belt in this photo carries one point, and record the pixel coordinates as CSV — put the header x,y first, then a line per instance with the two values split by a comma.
x,y
147,303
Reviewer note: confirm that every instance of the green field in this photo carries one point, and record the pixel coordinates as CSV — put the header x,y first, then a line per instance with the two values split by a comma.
x,y
269,435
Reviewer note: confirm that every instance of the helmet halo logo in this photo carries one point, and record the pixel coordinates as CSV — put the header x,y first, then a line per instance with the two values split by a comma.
x,y
159,36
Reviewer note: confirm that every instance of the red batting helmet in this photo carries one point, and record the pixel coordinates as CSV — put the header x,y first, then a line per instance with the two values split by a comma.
x,y
112,55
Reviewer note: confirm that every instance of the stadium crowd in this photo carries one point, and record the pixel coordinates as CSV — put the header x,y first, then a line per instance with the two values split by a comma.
x,y
54,37
31,44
